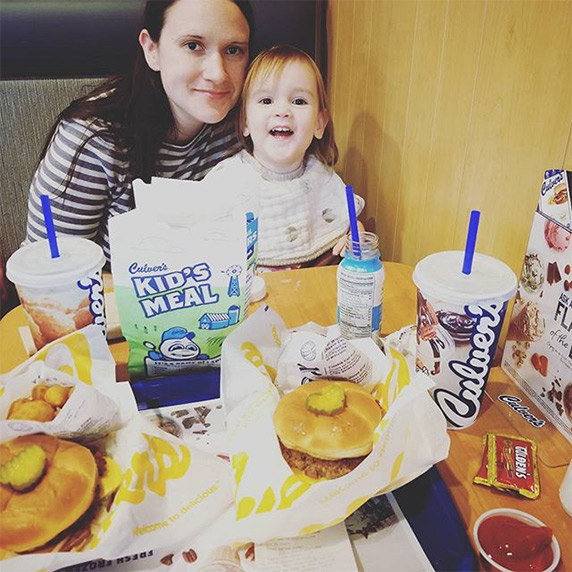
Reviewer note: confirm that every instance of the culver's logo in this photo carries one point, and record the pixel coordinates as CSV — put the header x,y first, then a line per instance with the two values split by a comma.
x,y
462,406
550,182
514,403
94,286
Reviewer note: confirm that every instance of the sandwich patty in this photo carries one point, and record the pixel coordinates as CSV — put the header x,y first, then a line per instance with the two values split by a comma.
x,y
319,468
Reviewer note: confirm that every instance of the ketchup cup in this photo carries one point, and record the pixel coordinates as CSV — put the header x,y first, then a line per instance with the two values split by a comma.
x,y
517,539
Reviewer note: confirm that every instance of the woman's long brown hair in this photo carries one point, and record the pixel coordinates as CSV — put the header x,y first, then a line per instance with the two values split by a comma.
x,y
132,108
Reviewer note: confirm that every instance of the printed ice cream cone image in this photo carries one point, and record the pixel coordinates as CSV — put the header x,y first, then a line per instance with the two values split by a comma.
x,y
528,325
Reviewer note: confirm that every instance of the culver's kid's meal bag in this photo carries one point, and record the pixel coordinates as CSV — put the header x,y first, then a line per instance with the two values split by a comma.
x,y
179,274
202,200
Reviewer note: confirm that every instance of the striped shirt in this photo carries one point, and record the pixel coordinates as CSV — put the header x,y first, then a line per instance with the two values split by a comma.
x,y
100,186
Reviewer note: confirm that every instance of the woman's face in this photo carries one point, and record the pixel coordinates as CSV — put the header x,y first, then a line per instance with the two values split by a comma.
x,y
202,55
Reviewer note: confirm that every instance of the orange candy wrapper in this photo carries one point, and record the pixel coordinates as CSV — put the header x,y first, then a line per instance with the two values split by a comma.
x,y
509,464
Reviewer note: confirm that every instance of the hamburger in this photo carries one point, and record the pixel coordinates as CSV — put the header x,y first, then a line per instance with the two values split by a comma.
x,y
51,493
325,428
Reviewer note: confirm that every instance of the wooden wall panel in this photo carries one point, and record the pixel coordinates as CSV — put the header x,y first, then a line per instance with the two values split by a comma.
x,y
357,80
340,24
392,40
520,122
448,105
419,127
463,38
365,175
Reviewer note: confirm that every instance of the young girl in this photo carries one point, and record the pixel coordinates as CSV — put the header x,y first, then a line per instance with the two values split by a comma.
x,y
287,162
167,117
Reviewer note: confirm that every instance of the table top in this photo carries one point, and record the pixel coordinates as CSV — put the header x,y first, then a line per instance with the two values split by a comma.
x,y
306,295
310,294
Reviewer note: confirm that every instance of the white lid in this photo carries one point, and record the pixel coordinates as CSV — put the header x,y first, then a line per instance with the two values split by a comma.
x,y
440,276
258,289
33,266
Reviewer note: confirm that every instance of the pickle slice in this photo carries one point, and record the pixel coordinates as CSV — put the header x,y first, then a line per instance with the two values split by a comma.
x,y
25,469
330,401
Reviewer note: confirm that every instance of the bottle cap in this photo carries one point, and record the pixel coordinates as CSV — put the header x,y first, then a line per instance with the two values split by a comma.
x,y
258,289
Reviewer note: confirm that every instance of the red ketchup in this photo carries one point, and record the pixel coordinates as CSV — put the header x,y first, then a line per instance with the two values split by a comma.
x,y
516,545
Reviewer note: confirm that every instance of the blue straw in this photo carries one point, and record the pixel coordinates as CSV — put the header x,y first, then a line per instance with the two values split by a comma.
x,y
356,248
49,222
471,242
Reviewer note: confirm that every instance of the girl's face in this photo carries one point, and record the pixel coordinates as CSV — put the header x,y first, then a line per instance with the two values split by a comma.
x,y
283,116
201,55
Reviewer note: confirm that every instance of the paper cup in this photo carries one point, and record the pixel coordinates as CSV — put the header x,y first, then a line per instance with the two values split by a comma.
x,y
59,295
459,319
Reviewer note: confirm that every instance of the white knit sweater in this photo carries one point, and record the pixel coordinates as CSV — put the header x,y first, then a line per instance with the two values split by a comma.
x,y
301,214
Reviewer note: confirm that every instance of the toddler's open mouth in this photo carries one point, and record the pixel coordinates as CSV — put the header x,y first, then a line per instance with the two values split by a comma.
x,y
281,132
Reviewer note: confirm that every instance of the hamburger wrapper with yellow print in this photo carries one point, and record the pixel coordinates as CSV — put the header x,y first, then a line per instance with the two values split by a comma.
x,y
270,499
83,354
125,492
67,389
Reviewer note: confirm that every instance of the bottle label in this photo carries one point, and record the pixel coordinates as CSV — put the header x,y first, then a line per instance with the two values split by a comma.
x,y
359,302
251,255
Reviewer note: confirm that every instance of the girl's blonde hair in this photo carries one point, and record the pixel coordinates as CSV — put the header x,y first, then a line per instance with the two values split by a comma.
x,y
273,61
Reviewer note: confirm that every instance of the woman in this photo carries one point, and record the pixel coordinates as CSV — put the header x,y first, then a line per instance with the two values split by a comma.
x,y
169,117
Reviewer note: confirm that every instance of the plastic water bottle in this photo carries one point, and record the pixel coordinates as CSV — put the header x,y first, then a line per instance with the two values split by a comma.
x,y
360,288
251,255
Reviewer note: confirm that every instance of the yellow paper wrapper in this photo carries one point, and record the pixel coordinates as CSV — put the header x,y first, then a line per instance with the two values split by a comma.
x,y
82,361
169,491
270,500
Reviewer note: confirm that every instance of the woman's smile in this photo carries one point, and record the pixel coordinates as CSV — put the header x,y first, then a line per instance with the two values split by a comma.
x,y
213,93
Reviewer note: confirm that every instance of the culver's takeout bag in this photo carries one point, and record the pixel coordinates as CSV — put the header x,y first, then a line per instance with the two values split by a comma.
x,y
81,366
179,270
270,500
